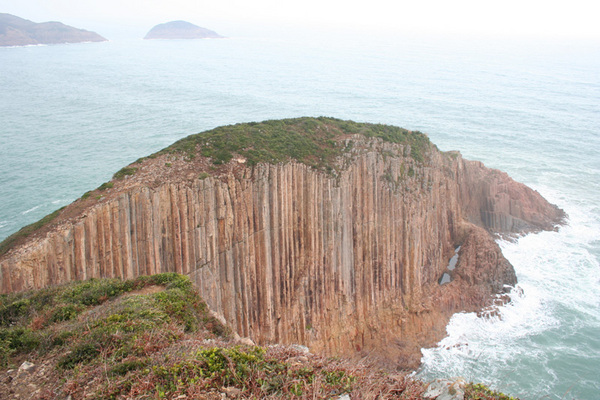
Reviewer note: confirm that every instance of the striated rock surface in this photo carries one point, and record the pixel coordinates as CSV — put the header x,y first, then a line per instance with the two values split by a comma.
x,y
180,30
15,31
343,256
493,200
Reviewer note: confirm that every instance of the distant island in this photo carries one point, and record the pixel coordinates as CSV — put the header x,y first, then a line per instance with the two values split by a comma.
x,y
15,31
181,30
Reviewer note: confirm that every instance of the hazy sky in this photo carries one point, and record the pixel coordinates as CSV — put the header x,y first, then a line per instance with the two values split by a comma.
x,y
537,17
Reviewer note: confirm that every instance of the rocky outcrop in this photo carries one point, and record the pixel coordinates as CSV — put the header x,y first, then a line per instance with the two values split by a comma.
x,y
345,261
180,30
493,200
15,31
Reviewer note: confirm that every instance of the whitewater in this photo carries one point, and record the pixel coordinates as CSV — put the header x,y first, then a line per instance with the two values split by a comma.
x,y
72,115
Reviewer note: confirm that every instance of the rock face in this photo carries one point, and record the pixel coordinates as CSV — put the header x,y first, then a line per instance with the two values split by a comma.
x,y
180,30
345,262
15,31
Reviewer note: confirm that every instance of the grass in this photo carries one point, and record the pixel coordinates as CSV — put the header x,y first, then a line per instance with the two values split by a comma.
x,y
106,185
28,320
96,323
163,344
123,172
478,391
153,337
312,141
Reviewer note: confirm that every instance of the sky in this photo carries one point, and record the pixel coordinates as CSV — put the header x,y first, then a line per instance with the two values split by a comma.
x,y
571,18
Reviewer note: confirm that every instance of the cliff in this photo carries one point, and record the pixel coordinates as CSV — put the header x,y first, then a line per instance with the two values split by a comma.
x,y
180,30
15,31
322,232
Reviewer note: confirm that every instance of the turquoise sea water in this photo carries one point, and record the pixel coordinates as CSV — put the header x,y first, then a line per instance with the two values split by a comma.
x,y
72,115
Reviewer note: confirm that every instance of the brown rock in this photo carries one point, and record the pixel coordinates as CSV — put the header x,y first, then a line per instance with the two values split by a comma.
x,y
346,264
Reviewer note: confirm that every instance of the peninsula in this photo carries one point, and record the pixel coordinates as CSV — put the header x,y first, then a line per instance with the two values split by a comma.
x,y
15,31
315,231
180,30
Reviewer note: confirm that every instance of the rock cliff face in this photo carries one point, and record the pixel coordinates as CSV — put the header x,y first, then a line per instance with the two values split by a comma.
x,y
15,31
345,260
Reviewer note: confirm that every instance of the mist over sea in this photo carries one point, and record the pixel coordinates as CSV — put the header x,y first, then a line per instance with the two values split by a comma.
x,y
72,115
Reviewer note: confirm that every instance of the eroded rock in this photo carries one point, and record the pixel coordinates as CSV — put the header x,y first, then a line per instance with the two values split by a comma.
x,y
345,262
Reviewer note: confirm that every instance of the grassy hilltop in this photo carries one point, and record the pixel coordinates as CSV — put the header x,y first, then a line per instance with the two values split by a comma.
x,y
312,141
154,337
316,142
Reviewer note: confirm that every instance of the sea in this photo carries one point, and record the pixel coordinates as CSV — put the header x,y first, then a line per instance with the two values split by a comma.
x,y
72,115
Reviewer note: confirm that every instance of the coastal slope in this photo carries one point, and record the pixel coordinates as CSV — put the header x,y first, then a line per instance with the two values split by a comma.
x,y
328,233
180,30
15,31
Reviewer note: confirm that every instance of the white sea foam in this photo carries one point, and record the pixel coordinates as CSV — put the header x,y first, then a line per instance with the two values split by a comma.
x,y
31,209
65,200
530,109
560,300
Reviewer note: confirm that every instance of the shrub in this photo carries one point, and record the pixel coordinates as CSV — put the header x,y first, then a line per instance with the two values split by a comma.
x,y
65,313
95,291
123,172
5,352
478,391
126,366
312,141
80,354
106,185
19,339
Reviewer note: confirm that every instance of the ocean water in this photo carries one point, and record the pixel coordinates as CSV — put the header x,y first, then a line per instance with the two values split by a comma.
x,y
72,115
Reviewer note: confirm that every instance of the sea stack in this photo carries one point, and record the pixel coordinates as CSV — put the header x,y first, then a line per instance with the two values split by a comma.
x,y
15,31
315,231
180,30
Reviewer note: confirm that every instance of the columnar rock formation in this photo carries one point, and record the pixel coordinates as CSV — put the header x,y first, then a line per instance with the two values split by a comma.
x,y
345,261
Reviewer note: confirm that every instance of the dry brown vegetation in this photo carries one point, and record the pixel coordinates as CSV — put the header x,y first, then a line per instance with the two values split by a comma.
x,y
154,338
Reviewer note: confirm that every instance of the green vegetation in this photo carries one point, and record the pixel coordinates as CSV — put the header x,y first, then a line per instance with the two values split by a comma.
x,y
123,172
478,391
26,231
106,185
418,141
312,141
153,337
102,322
150,335
34,321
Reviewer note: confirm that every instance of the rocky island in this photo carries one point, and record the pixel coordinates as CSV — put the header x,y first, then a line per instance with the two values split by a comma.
x,y
15,31
314,231
180,30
